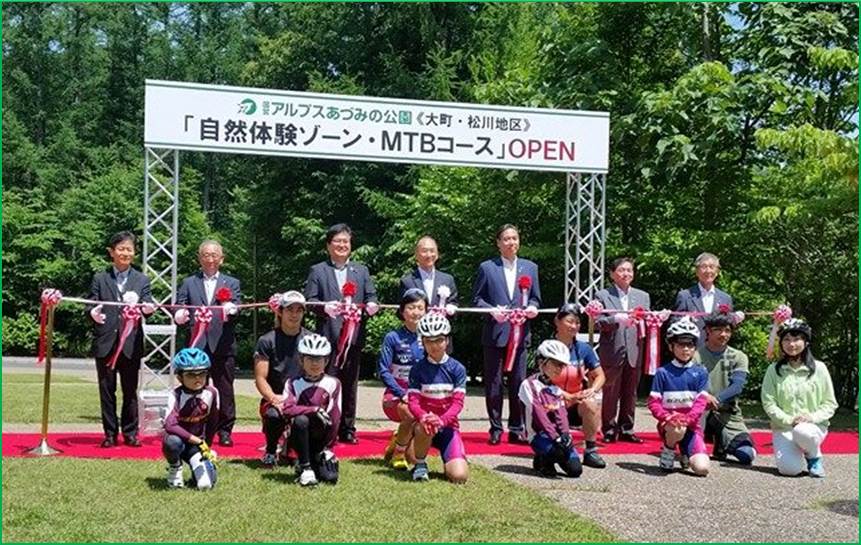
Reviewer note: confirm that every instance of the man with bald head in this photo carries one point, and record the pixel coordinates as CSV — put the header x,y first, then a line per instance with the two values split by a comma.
x,y
204,288
426,277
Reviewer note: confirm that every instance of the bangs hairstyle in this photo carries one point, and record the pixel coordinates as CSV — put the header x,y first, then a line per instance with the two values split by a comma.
x,y
412,295
807,358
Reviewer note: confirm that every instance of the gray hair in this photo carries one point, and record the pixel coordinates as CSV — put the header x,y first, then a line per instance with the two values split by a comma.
x,y
705,256
209,242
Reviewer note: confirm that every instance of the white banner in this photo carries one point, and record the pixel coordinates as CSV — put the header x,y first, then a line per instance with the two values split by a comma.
x,y
202,117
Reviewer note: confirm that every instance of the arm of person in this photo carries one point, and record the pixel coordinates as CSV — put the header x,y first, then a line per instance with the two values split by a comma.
x,y
457,400
737,381
655,401
768,397
606,323
171,421
701,402
681,302
535,290
597,378
829,402
384,367
479,290
333,409
370,290
261,371
290,406
454,297
535,411
313,292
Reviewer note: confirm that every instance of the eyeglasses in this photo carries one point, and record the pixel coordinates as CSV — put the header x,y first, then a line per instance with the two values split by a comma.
x,y
685,344
210,255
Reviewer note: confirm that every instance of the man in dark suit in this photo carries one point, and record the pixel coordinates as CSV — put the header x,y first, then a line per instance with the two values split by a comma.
x,y
203,289
119,283
324,284
704,296
496,286
620,350
427,277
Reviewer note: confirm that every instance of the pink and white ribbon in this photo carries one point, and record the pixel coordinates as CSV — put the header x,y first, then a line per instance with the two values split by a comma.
x,y
352,316
780,315
653,322
516,317
131,315
444,292
202,317
50,298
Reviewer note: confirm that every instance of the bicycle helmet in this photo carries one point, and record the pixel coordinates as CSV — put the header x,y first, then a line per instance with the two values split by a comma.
x,y
315,345
554,350
684,327
795,325
191,359
433,325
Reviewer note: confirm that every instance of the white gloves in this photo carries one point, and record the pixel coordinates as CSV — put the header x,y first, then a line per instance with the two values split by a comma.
x,y
97,315
148,308
531,312
181,317
371,308
450,309
323,416
621,318
331,309
229,308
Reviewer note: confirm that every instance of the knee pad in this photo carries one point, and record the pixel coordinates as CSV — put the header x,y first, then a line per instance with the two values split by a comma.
x,y
745,454
203,472
327,468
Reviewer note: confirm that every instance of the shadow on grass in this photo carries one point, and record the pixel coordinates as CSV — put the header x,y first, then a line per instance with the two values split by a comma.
x,y
385,470
154,483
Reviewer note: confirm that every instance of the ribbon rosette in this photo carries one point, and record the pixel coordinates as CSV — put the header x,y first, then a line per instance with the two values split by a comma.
x,y
516,317
352,315
653,321
202,317
275,302
223,294
130,315
594,309
780,315
444,293
50,298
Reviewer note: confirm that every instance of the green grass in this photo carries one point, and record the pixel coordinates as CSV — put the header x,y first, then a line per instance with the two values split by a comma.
x,y
58,499
843,419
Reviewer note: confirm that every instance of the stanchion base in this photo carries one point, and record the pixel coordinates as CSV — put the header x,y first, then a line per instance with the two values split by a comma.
x,y
44,449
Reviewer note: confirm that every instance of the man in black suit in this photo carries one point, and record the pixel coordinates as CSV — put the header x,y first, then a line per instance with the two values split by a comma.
x,y
210,287
324,284
119,283
426,277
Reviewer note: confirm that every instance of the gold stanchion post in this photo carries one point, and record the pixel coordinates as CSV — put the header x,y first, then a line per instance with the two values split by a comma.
x,y
44,449
591,330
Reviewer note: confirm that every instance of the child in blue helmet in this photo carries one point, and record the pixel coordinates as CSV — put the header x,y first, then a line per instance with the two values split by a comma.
x,y
191,421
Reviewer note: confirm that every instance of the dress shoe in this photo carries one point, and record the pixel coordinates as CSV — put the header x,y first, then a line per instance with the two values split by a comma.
x,y
495,437
591,458
349,438
132,441
224,439
610,437
516,438
629,438
109,441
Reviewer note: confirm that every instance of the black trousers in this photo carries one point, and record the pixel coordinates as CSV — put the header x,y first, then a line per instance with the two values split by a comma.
x,y
128,370
274,425
348,374
223,371
308,437
494,359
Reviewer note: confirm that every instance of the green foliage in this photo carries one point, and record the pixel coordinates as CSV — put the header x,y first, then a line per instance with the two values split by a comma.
x,y
733,130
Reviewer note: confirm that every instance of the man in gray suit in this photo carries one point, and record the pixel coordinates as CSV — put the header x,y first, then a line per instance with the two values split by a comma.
x,y
426,276
620,350
324,284
704,296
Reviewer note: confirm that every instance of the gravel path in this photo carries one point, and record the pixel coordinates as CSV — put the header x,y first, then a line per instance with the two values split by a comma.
x,y
732,504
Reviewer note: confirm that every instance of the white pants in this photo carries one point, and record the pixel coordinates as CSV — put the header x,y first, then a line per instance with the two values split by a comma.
x,y
793,448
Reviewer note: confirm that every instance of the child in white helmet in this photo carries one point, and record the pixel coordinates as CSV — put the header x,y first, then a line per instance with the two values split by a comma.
x,y
437,389
313,403
678,399
191,421
545,413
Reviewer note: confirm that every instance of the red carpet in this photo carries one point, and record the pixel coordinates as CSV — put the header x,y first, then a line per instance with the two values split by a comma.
x,y
248,445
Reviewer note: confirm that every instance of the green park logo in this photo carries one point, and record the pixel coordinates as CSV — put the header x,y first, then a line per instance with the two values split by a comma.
x,y
247,106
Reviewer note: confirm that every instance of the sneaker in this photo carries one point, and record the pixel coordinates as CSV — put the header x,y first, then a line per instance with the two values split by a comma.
x,y
420,472
591,458
307,477
814,467
399,461
684,461
390,448
668,458
269,460
174,476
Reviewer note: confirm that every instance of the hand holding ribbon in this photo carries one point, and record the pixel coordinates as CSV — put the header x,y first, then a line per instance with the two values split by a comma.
x,y
131,315
352,316
202,317
50,299
780,315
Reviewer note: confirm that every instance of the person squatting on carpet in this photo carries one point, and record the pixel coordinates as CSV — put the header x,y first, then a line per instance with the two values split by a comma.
x,y
798,396
191,421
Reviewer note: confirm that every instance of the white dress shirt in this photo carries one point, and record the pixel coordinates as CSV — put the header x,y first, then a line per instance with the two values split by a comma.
x,y
121,277
708,297
509,268
427,281
623,297
209,283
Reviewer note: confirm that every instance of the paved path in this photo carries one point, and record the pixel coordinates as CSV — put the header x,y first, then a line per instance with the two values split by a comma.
x,y
635,500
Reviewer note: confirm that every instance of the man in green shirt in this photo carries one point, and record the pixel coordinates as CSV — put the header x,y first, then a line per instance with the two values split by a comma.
x,y
728,371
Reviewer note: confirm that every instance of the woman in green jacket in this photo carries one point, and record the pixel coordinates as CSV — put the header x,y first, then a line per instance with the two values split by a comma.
x,y
798,396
